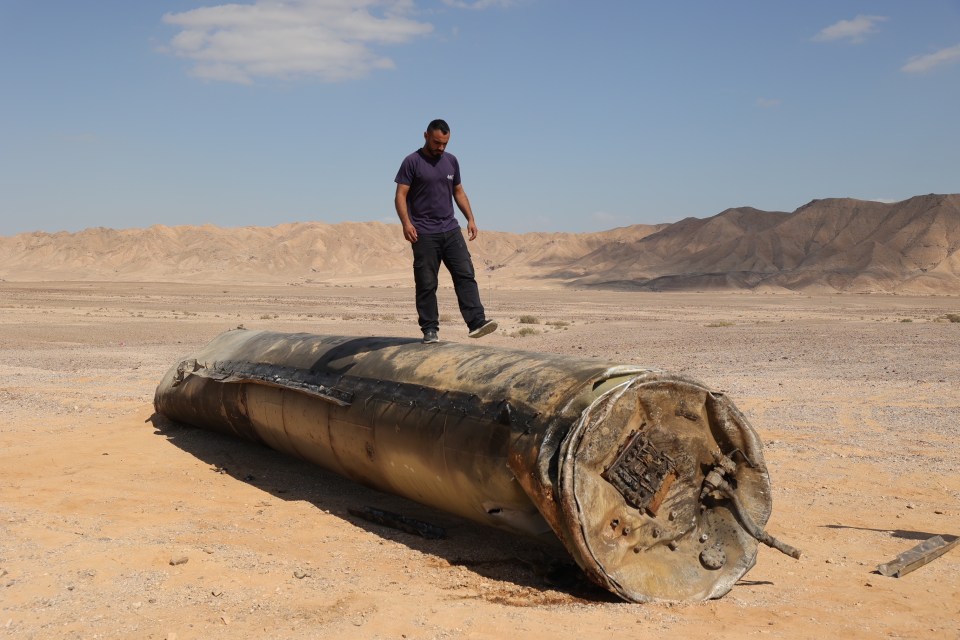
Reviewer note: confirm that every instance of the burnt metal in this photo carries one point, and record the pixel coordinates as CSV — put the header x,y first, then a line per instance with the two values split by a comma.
x,y
713,558
717,481
642,474
923,553
609,460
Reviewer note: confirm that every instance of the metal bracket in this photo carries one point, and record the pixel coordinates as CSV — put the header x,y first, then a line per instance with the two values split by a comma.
x,y
642,474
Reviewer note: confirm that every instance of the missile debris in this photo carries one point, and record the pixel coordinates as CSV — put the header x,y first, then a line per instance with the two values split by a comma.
x,y
918,556
655,485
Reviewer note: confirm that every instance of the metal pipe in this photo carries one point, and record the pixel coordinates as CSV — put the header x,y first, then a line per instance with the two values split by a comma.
x,y
610,459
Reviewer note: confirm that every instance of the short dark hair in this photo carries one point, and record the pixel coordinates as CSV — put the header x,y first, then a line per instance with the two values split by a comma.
x,y
439,125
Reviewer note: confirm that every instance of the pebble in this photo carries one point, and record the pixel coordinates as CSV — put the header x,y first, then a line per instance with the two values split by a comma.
x,y
179,560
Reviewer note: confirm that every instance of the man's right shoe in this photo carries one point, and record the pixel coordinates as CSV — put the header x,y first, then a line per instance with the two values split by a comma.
x,y
488,326
430,337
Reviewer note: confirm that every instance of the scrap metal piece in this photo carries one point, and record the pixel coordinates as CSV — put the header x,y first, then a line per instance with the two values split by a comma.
x,y
717,480
642,474
608,460
924,553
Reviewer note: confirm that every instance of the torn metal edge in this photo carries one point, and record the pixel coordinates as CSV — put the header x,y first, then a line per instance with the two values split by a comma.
x,y
925,552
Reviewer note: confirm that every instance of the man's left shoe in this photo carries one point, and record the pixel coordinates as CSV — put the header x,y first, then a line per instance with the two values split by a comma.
x,y
488,326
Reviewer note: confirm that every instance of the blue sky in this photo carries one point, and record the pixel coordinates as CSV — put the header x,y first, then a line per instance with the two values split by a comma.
x,y
566,116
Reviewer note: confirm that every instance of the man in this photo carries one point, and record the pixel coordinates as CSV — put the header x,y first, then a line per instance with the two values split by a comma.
x,y
428,183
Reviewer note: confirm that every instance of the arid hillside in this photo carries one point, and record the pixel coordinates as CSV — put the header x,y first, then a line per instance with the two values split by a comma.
x,y
831,245
827,245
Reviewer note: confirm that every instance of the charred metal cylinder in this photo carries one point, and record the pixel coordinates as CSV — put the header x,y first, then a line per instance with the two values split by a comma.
x,y
651,482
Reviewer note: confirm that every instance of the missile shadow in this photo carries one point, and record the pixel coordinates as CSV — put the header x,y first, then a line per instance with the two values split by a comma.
x,y
497,555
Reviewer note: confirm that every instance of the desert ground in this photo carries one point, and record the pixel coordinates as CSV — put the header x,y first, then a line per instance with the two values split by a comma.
x,y
115,523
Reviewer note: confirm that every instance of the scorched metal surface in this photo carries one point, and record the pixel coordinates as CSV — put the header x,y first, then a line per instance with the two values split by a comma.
x,y
655,485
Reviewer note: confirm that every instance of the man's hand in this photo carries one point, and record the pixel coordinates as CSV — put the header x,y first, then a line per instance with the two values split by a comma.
x,y
400,203
410,233
463,203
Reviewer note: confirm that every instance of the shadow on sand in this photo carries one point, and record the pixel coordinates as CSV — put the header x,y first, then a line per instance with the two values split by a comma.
x,y
896,533
490,553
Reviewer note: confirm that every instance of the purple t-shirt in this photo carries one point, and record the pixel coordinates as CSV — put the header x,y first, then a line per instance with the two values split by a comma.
x,y
430,199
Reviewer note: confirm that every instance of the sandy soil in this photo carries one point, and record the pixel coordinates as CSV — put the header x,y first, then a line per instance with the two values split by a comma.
x,y
856,397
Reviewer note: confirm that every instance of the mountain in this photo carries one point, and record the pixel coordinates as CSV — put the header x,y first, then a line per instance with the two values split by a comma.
x,y
837,244
829,245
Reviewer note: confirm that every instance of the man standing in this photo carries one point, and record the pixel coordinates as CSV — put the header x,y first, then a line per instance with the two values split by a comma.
x,y
428,183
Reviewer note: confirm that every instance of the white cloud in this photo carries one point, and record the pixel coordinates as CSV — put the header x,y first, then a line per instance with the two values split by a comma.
x,y
768,103
922,64
325,39
854,31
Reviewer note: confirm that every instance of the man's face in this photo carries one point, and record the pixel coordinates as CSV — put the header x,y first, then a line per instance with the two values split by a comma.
x,y
435,142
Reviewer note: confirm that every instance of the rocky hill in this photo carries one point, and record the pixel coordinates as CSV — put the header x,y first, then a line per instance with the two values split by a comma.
x,y
831,245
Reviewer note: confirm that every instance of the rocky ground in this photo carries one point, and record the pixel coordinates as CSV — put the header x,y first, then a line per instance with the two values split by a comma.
x,y
115,524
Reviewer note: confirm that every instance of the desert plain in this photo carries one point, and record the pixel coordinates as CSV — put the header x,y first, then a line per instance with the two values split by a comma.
x,y
115,523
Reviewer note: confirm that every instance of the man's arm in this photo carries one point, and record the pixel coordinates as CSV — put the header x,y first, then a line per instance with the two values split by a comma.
x,y
400,203
463,203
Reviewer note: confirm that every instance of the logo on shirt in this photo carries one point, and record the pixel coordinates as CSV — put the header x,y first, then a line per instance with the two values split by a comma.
x,y
450,177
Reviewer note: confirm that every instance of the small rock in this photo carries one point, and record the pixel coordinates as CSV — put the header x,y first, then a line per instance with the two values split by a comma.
x,y
300,574
179,560
216,593
909,505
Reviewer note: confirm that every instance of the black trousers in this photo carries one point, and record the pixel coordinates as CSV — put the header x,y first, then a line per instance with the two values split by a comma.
x,y
450,248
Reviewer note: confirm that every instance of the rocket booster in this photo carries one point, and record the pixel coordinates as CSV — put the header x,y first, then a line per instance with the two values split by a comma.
x,y
655,485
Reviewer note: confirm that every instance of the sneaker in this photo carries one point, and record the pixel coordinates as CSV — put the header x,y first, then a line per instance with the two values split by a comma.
x,y
430,337
488,326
